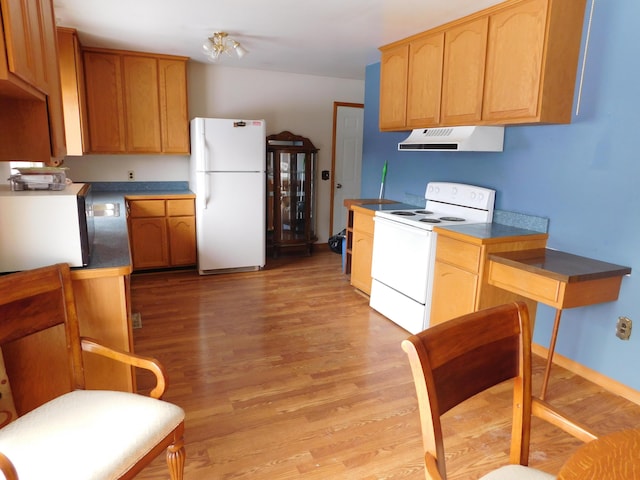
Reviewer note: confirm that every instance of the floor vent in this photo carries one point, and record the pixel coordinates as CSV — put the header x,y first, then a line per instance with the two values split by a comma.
x,y
136,320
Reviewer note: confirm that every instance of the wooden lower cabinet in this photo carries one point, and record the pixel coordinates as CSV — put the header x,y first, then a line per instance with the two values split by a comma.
x,y
104,312
362,249
162,232
461,273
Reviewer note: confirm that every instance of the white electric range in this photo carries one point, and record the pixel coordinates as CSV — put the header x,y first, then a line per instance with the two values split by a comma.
x,y
404,249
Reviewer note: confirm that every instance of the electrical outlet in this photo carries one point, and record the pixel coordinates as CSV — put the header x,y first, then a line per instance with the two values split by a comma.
x,y
623,328
131,175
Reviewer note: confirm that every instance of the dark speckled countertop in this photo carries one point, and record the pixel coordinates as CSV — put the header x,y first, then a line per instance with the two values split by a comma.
x,y
489,230
111,241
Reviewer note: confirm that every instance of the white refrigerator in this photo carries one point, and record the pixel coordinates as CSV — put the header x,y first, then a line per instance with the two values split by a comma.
x,y
227,174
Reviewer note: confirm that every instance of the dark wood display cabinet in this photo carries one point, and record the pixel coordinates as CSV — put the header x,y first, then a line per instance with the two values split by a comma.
x,y
291,191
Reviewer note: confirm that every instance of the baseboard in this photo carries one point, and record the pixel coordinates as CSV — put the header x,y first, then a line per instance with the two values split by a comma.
x,y
603,381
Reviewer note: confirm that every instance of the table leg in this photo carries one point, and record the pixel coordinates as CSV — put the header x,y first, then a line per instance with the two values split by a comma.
x,y
552,347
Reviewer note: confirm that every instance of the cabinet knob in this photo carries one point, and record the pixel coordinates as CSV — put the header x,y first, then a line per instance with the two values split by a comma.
x,y
338,185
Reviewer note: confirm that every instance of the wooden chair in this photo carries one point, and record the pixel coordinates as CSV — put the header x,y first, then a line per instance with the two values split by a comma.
x,y
457,359
62,430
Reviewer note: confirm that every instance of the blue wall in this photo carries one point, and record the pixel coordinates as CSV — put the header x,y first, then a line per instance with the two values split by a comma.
x,y
583,177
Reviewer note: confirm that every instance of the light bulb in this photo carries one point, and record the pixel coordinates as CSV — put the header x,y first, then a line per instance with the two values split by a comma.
x,y
240,50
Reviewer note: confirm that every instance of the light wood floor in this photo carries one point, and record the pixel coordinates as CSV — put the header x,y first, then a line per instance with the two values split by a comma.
x,y
288,374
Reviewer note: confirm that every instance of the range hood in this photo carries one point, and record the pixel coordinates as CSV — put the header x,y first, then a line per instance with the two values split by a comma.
x,y
460,139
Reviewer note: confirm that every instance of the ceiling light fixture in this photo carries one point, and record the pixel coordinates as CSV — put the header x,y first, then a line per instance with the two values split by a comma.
x,y
220,43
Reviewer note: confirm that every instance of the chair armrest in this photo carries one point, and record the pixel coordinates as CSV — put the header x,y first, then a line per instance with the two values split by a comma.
x,y
146,363
7,468
543,410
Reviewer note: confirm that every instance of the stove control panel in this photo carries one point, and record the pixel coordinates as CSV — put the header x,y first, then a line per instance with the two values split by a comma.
x,y
461,194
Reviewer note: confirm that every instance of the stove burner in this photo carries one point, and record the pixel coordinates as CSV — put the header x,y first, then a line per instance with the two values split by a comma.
x,y
452,219
424,212
403,213
429,220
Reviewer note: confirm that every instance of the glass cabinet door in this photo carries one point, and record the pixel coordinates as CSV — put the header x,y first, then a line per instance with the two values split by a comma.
x,y
292,196
290,191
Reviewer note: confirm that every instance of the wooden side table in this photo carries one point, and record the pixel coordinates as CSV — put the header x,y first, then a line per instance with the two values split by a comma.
x,y
558,279
611,457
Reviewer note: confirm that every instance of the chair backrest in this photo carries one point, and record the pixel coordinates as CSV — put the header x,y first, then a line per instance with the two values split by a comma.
x,y
457,359
39,335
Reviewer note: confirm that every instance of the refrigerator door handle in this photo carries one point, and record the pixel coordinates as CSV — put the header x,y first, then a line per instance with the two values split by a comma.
x,y
202,150
205,191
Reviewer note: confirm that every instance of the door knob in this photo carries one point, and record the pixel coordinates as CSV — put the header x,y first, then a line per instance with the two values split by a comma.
x,y
338,185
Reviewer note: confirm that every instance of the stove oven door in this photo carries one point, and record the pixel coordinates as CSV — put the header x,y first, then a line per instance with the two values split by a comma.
x,y
403,258
402,271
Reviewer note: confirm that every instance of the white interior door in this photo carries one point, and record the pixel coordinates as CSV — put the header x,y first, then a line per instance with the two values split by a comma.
x,y
347,167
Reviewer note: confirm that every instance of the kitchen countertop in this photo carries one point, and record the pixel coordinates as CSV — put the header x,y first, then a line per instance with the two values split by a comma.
x,y
561,266
111,240
488,231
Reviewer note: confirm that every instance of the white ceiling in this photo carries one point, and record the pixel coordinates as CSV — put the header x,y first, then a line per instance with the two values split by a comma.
x,y
335,38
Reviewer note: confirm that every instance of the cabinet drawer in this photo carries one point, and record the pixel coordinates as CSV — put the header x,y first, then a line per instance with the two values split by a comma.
x,y
146,208
461,254
537,287
363,223
183,207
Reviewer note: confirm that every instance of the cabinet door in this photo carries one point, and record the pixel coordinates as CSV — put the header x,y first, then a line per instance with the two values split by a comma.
x,y
149,242
362,252
394,65
463,76
142,104
174,118
51,80
182,240
514,61
73,94
454,292
425,80
105,106
24,50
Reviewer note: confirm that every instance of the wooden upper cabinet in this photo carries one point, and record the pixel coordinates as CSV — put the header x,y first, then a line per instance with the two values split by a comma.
x,y
22,37
533,45
147,97
105,104
512,63
393,87
73,92
51,81
425,80
174,120
515,58
31,119
142,104
463,72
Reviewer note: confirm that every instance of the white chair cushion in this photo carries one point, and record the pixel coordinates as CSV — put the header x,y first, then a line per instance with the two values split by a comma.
x,y
517,472
87,435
